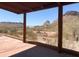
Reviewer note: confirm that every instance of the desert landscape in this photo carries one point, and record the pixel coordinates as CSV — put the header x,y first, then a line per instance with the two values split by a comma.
x,y
48,32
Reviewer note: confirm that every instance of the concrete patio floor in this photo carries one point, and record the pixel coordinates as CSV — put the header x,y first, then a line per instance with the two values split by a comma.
x,y
10,46
16,48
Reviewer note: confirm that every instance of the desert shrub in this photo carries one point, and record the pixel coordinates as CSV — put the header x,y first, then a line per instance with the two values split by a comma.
x,y
4,31
1,31
31,35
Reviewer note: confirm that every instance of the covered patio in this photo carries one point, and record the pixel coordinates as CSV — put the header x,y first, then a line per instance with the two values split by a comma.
x,y
16,48
27,7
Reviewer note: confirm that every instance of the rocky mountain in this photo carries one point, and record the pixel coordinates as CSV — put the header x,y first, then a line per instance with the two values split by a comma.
x,y
70,25
75,13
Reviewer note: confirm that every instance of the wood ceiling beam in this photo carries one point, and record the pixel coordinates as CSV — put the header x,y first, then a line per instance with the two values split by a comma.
x,y
22,7
13,6
9,7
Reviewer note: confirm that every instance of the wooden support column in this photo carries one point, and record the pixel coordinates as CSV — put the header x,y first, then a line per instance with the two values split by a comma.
x,y
60,26
24,28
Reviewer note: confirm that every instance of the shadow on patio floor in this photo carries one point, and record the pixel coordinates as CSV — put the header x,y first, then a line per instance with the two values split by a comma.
x,y
39,51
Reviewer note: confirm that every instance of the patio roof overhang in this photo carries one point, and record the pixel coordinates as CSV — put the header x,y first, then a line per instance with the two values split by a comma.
x,y
25,7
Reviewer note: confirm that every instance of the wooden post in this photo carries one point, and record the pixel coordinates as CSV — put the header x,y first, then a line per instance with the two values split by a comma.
x,y
24,28
60,26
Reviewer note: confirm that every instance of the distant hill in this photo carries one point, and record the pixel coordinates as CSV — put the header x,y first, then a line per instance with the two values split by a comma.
x,y
11,28
11,24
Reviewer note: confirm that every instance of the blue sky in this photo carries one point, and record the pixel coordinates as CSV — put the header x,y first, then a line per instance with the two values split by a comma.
x,y
38,17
